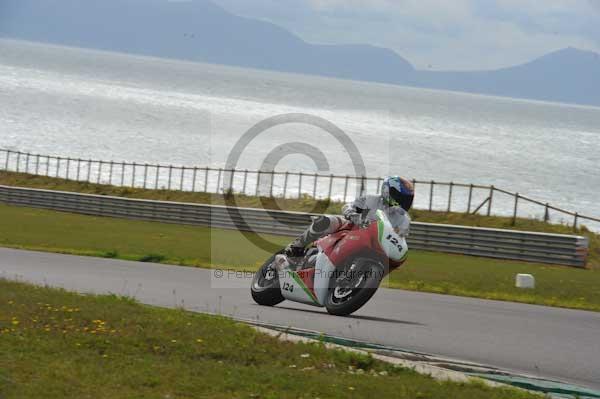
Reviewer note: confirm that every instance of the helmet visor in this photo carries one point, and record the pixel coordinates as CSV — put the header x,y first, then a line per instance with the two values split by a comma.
x,y
400,199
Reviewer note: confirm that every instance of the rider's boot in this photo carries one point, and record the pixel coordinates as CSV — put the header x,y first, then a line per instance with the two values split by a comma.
x,y
317,229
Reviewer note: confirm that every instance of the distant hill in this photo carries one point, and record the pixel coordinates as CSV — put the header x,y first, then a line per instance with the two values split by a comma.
x,y
199,30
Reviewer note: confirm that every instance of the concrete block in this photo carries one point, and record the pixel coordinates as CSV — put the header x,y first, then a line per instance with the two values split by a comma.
x,y
525,281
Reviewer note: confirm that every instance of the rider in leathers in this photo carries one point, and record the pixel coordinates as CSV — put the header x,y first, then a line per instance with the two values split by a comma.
x,y
396,199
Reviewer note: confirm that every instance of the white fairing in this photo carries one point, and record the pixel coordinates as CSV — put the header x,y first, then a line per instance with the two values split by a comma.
x,y
323,273
393,245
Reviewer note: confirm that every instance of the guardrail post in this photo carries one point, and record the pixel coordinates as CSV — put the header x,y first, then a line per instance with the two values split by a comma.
x,y
330,187
489,210
99,172
470,198
133,175
145,176
431,195
170,176
546,213
450,196
346,187
37,164
315,187
285,183
514,220
181,179
300,185
18,161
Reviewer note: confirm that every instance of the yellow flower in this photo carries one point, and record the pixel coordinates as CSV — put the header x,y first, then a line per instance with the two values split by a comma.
x,y
199,340
174,341
15,322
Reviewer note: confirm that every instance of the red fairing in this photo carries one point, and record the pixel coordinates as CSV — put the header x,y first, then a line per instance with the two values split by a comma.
x,y
349,242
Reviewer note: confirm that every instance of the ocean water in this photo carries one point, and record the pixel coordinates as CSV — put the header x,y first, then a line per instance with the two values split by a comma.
x,y
91,104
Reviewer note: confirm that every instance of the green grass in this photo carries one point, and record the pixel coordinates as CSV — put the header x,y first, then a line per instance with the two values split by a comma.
x,y
55,344
305,204
52,231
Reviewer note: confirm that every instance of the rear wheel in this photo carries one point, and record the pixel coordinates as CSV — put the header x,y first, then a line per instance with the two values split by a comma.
x,y
353,287
265,285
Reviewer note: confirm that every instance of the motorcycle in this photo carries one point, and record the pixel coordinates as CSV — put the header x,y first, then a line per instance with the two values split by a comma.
x,y
341,272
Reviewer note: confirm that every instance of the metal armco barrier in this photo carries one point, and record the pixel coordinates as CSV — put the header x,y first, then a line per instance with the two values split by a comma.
x,y
494,243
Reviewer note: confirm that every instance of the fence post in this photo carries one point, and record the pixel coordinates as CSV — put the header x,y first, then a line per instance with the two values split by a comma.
x,y
78,174
110,172
346,188
489,210
181,178
218,188
315,187
330,187
245,181
575,222
170,176
470,198
230,187
7,160
431,195
285,183
122,173
145,176
157,177
514,220
99,172
37,164
27,163
257,183
47,166
272,181
450,196
68,167
133,175
300,185
18,161
546,213
194,175
206,179
58,166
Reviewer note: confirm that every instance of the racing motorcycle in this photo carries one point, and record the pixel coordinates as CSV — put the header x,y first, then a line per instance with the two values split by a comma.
x,y
341,272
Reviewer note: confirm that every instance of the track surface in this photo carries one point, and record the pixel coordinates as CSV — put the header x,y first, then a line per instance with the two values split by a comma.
x,y
540,341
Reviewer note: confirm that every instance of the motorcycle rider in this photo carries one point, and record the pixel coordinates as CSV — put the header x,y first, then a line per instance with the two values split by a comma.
x,y
396,198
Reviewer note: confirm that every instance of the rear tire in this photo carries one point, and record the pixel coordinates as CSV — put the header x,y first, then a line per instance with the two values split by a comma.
x,y
265,287
343,301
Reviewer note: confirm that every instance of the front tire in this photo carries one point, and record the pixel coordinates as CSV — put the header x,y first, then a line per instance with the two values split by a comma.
x,y
265,287
354,287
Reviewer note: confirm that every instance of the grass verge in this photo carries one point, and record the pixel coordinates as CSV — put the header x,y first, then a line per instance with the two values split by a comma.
x,y
55,344
304,204
52,231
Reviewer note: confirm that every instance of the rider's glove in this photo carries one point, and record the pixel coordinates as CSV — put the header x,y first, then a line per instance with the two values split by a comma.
x,y
354,217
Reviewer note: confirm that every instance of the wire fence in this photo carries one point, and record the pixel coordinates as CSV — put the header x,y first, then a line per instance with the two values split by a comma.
x,y
430,195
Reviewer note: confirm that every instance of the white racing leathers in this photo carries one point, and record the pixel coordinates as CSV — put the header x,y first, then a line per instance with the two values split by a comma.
x,y
366,206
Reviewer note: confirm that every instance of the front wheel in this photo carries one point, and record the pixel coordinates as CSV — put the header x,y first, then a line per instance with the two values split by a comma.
x,y
265,285
353,287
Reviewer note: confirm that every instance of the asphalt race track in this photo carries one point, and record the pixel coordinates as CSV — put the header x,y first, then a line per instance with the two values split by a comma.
x,y
546,342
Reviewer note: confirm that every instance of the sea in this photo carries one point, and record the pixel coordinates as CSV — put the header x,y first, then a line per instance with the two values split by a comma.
x,y
94,104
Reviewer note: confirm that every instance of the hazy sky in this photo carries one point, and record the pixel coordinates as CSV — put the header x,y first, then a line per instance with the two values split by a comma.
x,y
439,34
